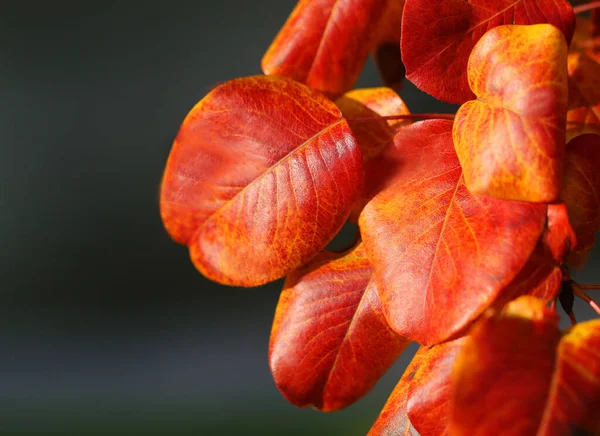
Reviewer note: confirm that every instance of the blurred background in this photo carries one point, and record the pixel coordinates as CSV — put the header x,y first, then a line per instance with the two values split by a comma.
x,y
105,326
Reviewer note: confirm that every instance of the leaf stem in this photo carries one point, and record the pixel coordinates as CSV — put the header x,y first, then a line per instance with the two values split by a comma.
x,y
404,117
572,318
586,7
587,286
578,292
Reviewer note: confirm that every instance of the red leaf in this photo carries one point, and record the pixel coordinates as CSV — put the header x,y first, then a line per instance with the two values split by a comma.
x,y
541,277
441,254
330,342
584,82
393,419
313,45
581,190
359,105
261,176
516,375
511,140
374,137
430,389
504,369
559,236
574,398
438,36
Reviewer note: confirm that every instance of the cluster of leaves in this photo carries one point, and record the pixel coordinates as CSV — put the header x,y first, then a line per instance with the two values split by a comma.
x,y
467,222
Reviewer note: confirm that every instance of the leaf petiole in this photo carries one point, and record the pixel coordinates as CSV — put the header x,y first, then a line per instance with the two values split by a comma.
x,y
586,7
587,286
579,293
404,117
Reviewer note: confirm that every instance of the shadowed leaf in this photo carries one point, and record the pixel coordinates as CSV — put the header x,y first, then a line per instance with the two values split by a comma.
x,y
541,277
261,176
511,140
386,49
581,190
436,60
441,254
584,82
330,342
373,137
559,236
313,45
362,104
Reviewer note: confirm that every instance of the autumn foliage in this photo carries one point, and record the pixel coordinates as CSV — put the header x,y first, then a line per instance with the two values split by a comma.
x,y
468,222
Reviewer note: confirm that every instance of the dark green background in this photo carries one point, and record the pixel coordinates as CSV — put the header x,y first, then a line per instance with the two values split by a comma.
x,y
105,326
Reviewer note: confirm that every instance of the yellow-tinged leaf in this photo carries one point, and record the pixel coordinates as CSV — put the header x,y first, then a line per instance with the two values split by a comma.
x,y
511,140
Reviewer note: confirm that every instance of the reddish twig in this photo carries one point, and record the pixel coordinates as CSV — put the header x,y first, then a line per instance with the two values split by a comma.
x,y
587,286
586,7
404,117
579,292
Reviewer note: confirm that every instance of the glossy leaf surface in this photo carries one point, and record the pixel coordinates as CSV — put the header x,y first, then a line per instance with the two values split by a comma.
x,y
510,141
574,397
504,370
314,44
330,342
436,59
261,176
581,190
441,254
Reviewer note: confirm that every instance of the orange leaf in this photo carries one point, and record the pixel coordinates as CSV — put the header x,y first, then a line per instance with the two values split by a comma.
x,y
541,277
584,82
559,236
373,137
261,176
393,419
516,375
430,389
511,140
441,254
313,45
504,369
330,342
574,399
581,190
370,103
438,36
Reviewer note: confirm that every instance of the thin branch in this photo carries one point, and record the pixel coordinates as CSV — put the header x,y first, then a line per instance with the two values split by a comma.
x,y
578,292
587,286
586,7
404,117
572,318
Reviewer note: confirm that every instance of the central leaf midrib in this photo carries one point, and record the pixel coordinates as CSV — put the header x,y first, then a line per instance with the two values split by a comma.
x,y
437,246
271,168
